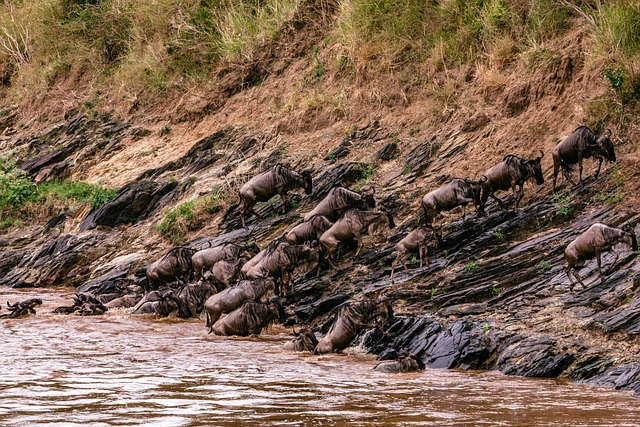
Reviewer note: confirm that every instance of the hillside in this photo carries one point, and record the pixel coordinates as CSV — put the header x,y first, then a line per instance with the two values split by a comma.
x,y
175,115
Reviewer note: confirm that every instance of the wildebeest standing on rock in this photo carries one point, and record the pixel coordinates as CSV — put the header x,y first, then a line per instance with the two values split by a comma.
x,y
308,231
581,144
339,200
277,179
352,225
511,172
250,319
597,239
279,261
457,192
414,242
232,298
206,258
351,318
304,340
175,265
22,308
223,273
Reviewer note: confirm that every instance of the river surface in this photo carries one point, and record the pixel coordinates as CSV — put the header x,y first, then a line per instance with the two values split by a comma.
x,y
121,370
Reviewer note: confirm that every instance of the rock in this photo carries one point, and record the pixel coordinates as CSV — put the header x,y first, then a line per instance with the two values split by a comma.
x,y
134,202
387,152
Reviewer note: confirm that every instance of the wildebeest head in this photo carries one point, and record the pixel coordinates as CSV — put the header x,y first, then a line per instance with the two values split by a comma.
x,y
390,222
308,187
534,168
606,146
282,316
631,240
305,339
476,188
367,196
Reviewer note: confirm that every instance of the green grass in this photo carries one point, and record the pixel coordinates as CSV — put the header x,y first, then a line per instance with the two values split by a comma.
x,y
471,267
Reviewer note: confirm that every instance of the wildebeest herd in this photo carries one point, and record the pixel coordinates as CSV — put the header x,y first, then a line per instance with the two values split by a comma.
x,y
240,287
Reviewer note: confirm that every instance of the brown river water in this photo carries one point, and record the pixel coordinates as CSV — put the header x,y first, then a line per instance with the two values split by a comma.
x,y
121,370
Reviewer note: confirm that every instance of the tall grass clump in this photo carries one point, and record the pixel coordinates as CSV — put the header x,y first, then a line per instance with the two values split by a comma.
x,y
21,200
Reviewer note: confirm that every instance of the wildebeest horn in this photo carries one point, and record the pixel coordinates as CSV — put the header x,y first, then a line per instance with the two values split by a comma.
x,y
541,155
297,334
607,133
482,179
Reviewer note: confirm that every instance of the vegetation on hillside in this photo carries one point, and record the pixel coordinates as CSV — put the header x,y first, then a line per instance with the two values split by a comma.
x,y
132,52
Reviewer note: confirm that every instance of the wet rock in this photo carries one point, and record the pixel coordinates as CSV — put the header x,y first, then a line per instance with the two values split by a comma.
x,y
134,202
625,376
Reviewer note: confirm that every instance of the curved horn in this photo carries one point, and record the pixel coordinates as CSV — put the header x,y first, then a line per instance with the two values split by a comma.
x,y
482,179
541,155
607,133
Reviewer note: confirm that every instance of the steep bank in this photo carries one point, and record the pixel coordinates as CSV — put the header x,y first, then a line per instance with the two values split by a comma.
x,y
495,296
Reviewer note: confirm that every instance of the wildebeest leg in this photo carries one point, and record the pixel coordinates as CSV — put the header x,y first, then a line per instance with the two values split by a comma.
x,y
420,254
285,202
463,211
577,276
568,272
599,261
359,240
556,169
598,170
580,169
517,194
497,199
394,263
615,259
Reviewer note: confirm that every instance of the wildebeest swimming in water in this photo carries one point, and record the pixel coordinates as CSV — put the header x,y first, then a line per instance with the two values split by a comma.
x,y
404,363
597,239
510,173
351,318
84,304
175,265
232,298
186,302
22,308
304,340
581,144
275,180
250,319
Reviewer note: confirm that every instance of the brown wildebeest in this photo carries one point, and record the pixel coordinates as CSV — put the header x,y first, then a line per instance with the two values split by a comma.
x,y
223,273
277,179
407,363
581,144
207,258
279,261
22,308
175,265
414,242
84,304
352,225
339,200
250,319
232,298
511,172
351,318
597,239
308,231
457,192
305,340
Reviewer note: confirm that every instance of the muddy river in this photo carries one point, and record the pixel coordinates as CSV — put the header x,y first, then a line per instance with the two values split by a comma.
x,y
117,370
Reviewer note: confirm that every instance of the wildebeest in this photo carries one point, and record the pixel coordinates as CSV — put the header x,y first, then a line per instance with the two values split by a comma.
x,y
511,172
352,225
339,200
304,340
414,242
161,303
22,308
308,231
206,258
250,319
351,318
597,239
193,297
84,304
581,144
232,298
457,192
175,265
280,261
277,179
223,273
405,363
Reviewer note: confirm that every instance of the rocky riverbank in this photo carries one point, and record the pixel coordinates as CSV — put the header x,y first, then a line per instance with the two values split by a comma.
x,y
494,296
